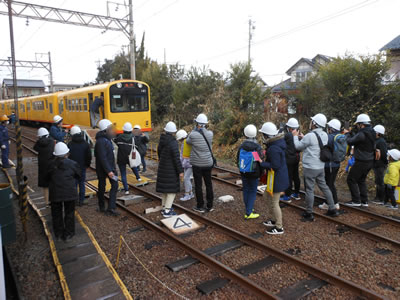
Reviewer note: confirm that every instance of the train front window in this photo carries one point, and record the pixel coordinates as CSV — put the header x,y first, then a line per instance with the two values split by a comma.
x,y
129,97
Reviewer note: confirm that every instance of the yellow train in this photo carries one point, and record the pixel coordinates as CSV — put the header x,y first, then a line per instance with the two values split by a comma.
x,y
124,101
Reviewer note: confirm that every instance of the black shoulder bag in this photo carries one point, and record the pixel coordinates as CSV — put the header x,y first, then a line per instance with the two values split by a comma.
x,y
209,148
326,152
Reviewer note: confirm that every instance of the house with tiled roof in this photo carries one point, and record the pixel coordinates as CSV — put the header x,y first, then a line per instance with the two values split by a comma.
x,y
392,50
25,87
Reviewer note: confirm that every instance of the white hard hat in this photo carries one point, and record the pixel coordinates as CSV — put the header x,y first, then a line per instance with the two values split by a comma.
x,y
293,123
320,120
127,127
57,119
250,131
42,132
181,134
137,127
170,127
202,119
379,129
104,124
363,118
75,130
60,149
269,128
394,153
335,124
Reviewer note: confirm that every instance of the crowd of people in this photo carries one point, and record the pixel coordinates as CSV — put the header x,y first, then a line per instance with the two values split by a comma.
x,y
183,156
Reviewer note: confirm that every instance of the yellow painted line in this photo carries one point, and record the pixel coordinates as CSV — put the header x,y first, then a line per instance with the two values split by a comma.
x,y
53,250
105,258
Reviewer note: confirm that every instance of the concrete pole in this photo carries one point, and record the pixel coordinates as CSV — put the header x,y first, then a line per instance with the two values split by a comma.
x,y
51,75
132,42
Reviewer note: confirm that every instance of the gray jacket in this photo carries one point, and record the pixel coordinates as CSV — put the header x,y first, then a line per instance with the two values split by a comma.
x,y
309,144
200,156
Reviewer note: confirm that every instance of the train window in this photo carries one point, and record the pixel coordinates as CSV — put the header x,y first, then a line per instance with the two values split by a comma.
x,y
80,105
51,108
61,106
47,104
28,106
85,108
2,106
69,104
75,102
129,98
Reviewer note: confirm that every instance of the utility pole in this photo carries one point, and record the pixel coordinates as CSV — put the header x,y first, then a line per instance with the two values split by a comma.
x,y
251,29
132,42
51,75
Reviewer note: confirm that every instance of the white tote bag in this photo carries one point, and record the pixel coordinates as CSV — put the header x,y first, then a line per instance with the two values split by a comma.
x,y
134,157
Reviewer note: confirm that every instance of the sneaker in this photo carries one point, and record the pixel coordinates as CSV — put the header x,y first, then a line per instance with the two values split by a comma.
x,y
185,198
332,213
307,217
126,192
101,209
191,195
387,204
364,204
351,203
143,171
112,213
393,207
377,202
251,216
275,230
210,209
269,223
139,179
199,209
168,213
68,238
286,199
295,196
337,206
324,206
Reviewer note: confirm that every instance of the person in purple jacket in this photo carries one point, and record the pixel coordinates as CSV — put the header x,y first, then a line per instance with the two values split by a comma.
x,y
181,136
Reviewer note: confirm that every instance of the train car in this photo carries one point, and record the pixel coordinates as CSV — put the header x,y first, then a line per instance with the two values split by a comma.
x,y
124,101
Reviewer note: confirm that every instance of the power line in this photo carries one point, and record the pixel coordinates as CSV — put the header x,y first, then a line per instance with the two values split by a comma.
x,y
157,12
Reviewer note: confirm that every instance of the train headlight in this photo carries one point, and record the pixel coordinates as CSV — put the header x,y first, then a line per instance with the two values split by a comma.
x,y
139,85
119,85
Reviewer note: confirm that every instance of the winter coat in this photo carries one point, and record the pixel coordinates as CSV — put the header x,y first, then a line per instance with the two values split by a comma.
x,y
45,148
140,142
292,155
309,144
62,175
104,153
57,133
184,161
392,173
4,138
364,144
169,166
124,143
275,159
79,151
251,145
381,145
97,103
331,144
200,156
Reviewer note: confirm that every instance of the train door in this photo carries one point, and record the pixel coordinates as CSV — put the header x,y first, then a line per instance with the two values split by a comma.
x,y
90,97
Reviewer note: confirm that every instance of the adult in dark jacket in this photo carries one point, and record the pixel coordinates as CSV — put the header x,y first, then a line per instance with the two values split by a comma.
x,y
81,153
44,146
250,178
4,141
105,166
141,141
95,110
380,164
275,160
169,169
364,155
292,162
124,143
62,175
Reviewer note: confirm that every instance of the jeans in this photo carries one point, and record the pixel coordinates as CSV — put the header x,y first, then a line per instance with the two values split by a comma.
x,y
249,193
293,171
330,178
63,223
380,186
81,185
142,158
4,156
167,200
199,173
122,169
102,176
312,176
356,181
274,212
389,194
187,182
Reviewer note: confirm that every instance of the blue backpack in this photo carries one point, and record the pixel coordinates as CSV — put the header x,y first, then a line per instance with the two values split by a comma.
x,y
246,161
340,148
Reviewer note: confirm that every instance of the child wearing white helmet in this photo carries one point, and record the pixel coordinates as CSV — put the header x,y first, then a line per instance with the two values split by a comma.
x,y
56,130
62,175
81,153
380,164
44,146
391,179
250,169
170,169
181,136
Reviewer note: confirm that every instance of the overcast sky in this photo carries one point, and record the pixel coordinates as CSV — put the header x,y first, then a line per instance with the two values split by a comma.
x,y
208,32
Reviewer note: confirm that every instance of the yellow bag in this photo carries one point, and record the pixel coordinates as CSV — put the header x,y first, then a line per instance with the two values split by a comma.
x,y
186,149
270,182
396,194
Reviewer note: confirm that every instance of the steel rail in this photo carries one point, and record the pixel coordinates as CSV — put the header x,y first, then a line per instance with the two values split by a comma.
x,y
201,256
305,266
